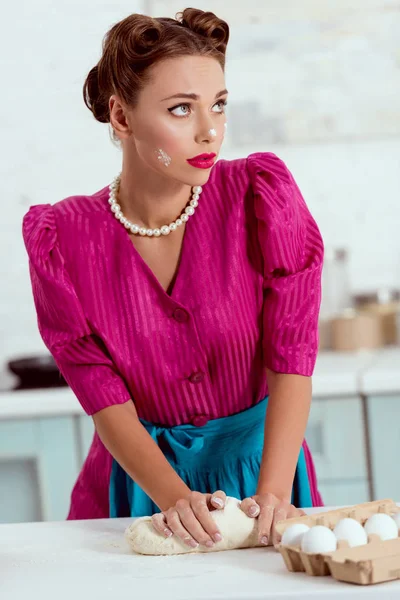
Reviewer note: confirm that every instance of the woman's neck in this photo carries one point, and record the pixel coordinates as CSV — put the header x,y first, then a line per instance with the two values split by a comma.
x,y
148,198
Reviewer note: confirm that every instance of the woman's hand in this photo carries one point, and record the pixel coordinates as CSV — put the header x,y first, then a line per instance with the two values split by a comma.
x,y
190,519
269,510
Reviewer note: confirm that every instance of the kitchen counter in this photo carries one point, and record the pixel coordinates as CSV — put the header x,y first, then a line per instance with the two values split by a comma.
x,y
336,374
340,373
90,559
383,375
45,402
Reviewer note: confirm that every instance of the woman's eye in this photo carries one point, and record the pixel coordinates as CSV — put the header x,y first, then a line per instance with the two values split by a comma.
x,y
180,111
183,110
220,105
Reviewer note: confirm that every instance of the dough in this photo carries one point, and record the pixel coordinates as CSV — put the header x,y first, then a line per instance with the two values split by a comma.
x,y
237,530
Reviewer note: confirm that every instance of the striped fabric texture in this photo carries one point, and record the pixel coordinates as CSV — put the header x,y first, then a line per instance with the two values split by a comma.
x,y
246,296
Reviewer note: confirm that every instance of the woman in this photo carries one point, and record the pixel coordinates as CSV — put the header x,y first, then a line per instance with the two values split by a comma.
x,y
182,299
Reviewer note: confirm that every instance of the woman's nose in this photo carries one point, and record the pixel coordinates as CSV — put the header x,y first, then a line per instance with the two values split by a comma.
x,y
206,132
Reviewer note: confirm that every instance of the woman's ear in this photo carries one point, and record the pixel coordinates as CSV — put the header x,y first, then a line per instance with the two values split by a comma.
x,y
118,117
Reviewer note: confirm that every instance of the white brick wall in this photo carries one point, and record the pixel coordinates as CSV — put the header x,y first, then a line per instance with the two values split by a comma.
x,y
353,190
53,148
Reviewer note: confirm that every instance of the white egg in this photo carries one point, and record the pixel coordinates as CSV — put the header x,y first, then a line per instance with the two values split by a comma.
x,y
396,519
352,531
382,525
319,539
293,535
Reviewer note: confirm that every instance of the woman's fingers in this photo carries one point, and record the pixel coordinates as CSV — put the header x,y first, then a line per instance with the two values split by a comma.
x,y
265,521
218,500
175,525
280,513
193,516
250,507
190,519
199,503
160,524
270,510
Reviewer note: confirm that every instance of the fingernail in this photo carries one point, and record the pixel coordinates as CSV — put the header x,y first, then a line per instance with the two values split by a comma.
x,y
218,502
254,510
209,544
264,540
218,537
192,543
168,532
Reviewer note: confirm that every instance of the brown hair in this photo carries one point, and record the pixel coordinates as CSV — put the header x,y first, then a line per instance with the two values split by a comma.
x,y
138,42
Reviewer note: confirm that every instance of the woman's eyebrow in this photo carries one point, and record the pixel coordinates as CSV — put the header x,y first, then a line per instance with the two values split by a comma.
x,y
193,96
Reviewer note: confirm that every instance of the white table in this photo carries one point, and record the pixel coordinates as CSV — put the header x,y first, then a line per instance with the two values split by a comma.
x,y
90,559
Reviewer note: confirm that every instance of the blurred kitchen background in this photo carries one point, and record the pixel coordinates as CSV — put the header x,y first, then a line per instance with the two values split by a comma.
x,y
317,83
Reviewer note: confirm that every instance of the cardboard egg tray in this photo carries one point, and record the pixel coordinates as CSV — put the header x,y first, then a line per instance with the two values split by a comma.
x,y
375,562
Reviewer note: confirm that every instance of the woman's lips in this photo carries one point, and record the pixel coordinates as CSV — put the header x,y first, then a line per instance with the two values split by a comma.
x,y
202,161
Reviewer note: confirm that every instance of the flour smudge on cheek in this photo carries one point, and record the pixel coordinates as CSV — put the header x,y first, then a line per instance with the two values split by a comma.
x,y
163,157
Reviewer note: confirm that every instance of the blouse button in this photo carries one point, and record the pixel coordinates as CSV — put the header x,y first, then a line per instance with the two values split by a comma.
x,y
197,377
180,315
200,420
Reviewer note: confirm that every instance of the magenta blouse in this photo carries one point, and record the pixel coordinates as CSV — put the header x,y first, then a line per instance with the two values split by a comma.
x,y
246,297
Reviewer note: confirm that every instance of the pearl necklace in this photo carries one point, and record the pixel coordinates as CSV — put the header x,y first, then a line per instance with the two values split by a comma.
x,y
165,229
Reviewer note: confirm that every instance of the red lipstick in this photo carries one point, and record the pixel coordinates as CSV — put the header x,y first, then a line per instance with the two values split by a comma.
x,y
202,161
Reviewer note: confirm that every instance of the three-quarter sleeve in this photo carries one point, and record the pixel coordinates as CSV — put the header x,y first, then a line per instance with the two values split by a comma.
x,y
80,355
292,250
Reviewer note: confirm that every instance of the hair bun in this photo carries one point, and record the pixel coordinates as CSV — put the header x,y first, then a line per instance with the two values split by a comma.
x,y
138,35
93,97
206,24
147,35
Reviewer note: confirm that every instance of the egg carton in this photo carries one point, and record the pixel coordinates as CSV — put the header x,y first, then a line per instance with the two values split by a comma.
x,y
375,562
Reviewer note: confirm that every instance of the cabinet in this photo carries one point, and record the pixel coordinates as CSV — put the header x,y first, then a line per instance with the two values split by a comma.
x,y
39,464
86,433
336,437
384,428
40,459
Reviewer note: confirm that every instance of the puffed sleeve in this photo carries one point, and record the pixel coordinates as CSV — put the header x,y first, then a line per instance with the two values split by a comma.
x,y
292,250
81,356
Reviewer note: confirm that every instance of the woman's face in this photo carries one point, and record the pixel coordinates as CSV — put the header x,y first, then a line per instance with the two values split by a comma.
x,y
180,115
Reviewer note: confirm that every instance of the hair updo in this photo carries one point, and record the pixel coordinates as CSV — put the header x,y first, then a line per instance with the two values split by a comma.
x,y
138,42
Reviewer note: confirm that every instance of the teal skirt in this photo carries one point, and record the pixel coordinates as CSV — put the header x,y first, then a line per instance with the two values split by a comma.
x,y
225,455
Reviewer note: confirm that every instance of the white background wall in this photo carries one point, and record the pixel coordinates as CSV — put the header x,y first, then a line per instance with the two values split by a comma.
x,y
52,148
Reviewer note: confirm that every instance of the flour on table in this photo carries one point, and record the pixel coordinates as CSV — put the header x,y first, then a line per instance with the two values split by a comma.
x,y
237,530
